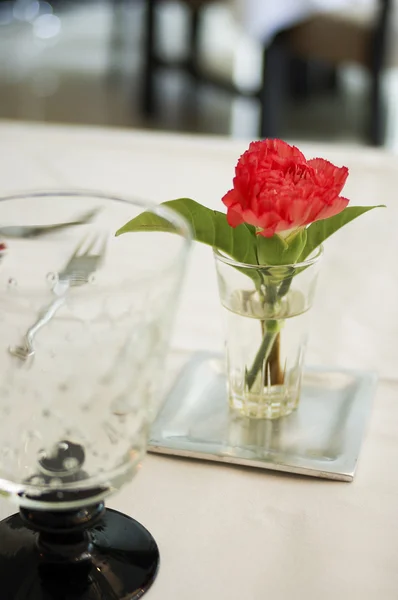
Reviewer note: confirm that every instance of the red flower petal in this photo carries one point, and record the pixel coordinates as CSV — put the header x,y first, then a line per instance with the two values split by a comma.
x,y
330,211
230,198
281,148
270,224
250,217
328,174
276,189
234,218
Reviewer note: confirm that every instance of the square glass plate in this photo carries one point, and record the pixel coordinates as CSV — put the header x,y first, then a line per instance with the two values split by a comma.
x,y
321,439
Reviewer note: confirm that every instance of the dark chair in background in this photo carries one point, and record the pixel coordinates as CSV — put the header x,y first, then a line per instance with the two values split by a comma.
x,y
334,40
331,39
190,64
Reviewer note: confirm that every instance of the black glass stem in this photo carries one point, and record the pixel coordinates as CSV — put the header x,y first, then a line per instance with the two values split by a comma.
x,y
91,553
88,553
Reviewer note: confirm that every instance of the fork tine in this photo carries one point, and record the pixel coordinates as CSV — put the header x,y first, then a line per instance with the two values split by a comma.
x,y
103,245
97,244
79,247
91,244
86,258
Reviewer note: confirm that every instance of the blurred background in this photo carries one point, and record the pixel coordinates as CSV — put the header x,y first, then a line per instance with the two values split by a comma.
x,y
324,70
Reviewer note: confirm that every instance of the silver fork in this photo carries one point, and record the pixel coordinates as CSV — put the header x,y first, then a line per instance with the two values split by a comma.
x,y
84,261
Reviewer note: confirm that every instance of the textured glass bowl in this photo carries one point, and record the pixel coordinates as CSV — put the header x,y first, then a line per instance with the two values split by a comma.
x,y
75,411
74,417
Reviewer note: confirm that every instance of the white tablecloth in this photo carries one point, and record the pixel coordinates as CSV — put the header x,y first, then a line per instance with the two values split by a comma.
x,y
229,532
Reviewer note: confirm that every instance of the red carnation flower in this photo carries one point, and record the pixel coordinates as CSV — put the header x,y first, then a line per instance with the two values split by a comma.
x,y
276,189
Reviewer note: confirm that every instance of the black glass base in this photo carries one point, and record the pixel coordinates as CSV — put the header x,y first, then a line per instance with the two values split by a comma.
x,y
115,558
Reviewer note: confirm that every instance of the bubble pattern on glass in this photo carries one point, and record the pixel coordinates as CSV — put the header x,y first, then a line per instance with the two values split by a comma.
x,y
98,397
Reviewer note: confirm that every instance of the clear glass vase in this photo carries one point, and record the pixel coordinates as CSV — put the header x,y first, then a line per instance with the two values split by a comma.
x,y
267,312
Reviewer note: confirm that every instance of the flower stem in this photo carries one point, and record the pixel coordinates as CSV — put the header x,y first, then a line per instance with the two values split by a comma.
x,y
285,287
269,349
271,334
273,372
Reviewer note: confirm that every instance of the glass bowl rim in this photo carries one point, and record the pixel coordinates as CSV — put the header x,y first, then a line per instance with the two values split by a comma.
x,y
182,225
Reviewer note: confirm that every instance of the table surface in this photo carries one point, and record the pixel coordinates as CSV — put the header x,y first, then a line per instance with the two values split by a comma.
x,y
231,532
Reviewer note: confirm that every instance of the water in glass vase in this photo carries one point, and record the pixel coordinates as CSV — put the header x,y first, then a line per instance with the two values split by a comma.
x,y
265,359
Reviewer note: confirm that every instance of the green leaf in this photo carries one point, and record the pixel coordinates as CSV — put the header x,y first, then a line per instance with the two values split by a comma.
x,y
278,251
319,231
209,227
296,243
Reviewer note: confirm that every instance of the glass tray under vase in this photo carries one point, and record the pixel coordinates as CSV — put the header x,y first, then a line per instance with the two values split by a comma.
x,y
321,439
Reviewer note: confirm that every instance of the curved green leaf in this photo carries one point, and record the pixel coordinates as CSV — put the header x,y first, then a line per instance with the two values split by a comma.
x,y
209,227
241,243
319,231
